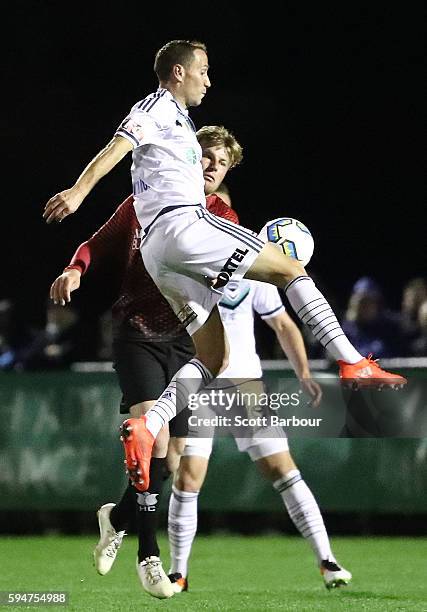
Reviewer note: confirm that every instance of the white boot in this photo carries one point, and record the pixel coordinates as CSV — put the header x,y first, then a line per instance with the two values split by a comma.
x,y
153,578
109,543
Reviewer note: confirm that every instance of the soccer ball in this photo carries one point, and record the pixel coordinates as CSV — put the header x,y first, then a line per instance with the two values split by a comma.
x,y
291,236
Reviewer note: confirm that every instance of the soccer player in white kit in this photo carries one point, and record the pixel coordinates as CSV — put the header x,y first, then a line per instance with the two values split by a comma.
x,y
189,253
268,447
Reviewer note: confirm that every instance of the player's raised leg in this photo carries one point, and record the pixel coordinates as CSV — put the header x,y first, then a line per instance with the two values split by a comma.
x,y
313,310
139,434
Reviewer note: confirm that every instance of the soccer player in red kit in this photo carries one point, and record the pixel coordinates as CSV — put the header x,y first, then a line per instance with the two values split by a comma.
x,y
149,346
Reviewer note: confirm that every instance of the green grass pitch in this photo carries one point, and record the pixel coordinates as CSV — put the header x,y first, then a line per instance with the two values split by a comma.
x,y
227,573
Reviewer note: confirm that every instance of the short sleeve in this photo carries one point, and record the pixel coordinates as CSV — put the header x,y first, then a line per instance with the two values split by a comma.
x,y
267,301
146,121
139,128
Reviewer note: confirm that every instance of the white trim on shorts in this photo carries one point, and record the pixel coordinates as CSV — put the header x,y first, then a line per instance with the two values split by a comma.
x,y
257,447
198,447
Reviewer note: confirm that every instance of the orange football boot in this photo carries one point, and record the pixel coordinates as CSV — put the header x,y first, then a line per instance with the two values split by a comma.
x,y
138,444
367,373
179,583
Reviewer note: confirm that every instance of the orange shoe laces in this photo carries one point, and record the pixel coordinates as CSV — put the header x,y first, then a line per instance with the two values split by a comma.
x,y
374,362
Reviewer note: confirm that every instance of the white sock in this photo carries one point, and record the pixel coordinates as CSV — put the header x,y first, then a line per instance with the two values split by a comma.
x,y
313,310
182,527
192,377
305,514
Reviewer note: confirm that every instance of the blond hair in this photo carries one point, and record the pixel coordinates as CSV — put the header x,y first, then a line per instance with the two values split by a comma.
x,y
218,136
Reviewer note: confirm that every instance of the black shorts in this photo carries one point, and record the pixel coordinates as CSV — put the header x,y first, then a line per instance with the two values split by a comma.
x,y
145,368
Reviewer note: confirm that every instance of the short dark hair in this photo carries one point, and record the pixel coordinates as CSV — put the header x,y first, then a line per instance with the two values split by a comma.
x,y
175,52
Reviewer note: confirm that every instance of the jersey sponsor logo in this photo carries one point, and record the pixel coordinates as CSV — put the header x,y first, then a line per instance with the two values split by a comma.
x,y
147,501
191,156
137,237
186,315
230,266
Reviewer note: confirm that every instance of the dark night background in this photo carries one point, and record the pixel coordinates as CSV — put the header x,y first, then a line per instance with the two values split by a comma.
x,y
326,102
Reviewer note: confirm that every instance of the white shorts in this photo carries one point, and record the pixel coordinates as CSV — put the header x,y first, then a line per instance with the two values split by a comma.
x,y
186,249
272,441
258,440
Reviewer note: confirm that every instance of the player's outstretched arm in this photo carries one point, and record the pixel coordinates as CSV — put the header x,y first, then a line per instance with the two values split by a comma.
x,y
292,344
68,201
110,238
60,291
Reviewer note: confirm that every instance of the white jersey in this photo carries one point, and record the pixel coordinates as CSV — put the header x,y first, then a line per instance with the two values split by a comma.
x,y
166,169
237,306
240,301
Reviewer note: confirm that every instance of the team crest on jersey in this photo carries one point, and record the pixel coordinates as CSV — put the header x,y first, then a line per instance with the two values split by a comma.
x,y
186,315
234,294
191,156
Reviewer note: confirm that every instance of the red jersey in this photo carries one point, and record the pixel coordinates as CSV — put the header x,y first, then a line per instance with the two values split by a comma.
x,y
140,303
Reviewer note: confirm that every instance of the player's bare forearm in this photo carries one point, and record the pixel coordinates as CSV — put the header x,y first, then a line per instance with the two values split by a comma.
x,y
291,343
68,201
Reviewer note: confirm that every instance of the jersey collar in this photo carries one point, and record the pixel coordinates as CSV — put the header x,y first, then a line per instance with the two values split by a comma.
x,y
168,95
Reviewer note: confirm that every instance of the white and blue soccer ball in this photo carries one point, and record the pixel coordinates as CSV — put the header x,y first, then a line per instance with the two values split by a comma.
x,y
291,236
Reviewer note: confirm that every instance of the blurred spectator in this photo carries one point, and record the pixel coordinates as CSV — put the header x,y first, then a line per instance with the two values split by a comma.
x,y
414,294
369,325
419,344
7,352
55,345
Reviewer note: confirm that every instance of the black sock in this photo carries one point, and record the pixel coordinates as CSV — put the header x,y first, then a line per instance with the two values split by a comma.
x,y
147,509
123,512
